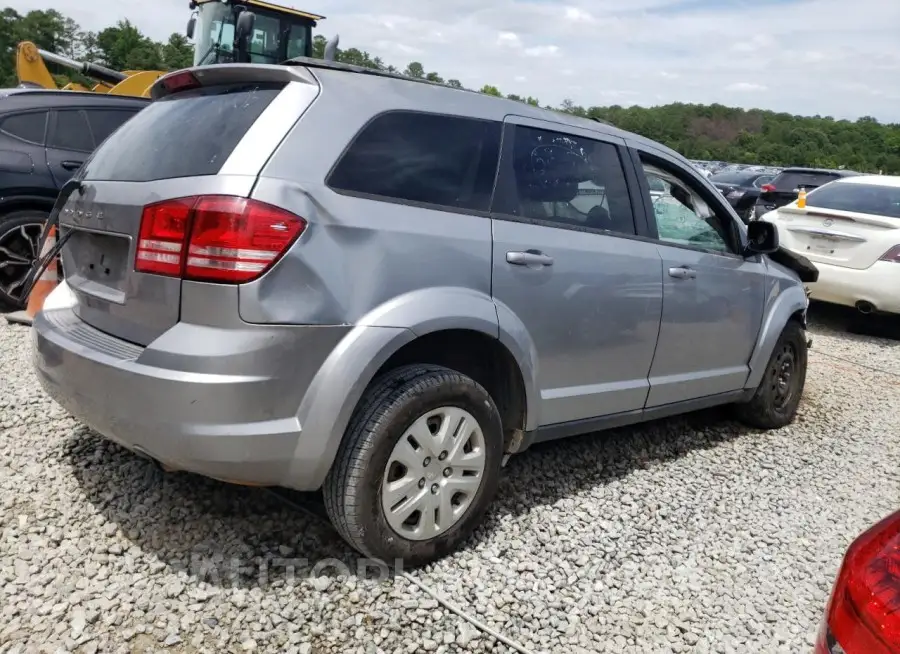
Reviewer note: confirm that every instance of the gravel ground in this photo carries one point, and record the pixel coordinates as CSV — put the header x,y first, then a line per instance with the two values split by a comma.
x,y
687,535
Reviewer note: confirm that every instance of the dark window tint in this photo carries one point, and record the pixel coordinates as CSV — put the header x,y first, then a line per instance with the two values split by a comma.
x,y
184,135
789,181
71,132
427,158
106,121
566,180
863,198
28,127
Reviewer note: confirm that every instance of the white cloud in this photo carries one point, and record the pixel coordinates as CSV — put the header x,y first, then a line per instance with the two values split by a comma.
x,y
655,51
745,87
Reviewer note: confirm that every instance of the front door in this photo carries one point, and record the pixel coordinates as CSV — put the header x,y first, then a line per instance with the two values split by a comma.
x,y
713,297
566,265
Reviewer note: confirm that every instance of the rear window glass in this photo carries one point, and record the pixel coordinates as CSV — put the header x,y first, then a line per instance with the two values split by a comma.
x,y
106,121
424,158
862,198
744,179
185,135
790,181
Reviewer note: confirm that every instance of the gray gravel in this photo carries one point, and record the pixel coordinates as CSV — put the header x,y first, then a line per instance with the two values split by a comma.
x,y
686,535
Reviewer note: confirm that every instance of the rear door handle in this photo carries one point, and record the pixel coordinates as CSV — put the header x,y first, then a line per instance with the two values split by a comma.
x,y
529,258
682,272
71,165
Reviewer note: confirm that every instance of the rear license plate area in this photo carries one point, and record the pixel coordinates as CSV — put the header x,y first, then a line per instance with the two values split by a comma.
x,y
822,245
97,261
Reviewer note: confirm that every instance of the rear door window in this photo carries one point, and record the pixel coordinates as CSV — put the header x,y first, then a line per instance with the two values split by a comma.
x,y
71,132
565,181
862,198
28,127
184,135
106,121
428,159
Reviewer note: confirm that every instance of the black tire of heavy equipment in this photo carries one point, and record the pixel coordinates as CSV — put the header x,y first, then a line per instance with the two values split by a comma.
x,y
352,490
9,222
762,411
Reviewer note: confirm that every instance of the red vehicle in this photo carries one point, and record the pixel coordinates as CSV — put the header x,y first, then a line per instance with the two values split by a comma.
x,y
863,614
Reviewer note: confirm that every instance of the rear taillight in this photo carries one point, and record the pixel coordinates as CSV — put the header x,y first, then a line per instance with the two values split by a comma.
x,y
892,255
864,611
214,238
767,188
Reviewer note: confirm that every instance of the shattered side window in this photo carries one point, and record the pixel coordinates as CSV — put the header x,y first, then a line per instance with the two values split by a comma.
x,y
184,135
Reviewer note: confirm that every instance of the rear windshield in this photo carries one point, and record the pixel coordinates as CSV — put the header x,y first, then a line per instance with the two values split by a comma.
x,y
862,198
788,181
184,135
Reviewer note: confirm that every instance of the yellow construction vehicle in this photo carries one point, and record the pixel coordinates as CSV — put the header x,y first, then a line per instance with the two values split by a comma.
x,y
223,31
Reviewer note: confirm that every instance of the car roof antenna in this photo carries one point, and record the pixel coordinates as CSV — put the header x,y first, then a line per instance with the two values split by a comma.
x,y
331,48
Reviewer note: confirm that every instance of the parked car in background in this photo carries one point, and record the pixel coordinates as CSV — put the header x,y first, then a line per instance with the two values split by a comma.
x,y
742,187
850,230
785,187
863,612
387,304
45,136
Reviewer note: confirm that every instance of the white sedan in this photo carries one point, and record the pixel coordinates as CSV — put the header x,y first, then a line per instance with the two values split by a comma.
x,y
850,230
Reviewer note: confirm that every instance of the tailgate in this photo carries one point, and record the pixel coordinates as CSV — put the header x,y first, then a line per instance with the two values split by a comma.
x,y
202,139
838,238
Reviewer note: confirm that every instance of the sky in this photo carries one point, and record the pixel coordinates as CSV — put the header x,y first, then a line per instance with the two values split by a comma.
x,y
836,58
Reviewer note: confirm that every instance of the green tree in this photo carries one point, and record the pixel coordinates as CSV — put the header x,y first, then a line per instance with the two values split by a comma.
x,y
415,70
487,89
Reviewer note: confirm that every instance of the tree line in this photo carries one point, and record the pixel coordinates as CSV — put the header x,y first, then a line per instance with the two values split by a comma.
x,y
713,132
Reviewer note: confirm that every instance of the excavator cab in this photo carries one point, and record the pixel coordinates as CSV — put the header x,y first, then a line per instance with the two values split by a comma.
x,y
248,31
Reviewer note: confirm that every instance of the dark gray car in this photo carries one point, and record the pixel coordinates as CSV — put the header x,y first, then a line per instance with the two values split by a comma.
x,y
320,277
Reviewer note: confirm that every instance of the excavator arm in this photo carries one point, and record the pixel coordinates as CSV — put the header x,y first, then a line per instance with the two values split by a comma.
x,y
31,70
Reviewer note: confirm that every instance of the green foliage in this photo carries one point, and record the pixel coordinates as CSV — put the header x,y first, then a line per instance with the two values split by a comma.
x,y
698,131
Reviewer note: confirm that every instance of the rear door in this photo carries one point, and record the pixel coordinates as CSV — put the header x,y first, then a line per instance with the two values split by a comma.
x,y
568,265
846,223
211,140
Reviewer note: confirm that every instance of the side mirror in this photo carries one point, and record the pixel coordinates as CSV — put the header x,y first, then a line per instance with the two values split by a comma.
x,y
762,238
192,22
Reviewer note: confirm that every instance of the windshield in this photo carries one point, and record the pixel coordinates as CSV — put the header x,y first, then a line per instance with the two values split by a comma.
x,y
275,38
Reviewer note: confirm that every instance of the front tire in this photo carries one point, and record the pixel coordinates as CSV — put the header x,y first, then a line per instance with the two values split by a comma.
x,y
777,397
418,465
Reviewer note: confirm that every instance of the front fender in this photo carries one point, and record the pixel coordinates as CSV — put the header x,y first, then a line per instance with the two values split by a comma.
x,y
340,383
785,298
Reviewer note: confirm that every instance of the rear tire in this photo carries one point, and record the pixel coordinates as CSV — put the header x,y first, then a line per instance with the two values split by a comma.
x,y
379,473
777,397
20,233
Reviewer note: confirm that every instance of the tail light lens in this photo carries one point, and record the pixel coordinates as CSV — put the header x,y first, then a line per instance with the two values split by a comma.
x,y
892,255
767,188
864,612
214,238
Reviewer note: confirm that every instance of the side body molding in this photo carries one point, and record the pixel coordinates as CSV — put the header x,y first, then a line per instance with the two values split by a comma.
x,y
337,387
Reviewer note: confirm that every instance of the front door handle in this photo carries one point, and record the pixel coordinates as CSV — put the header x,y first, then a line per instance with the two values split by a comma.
x,y
529,258
682,272
71,165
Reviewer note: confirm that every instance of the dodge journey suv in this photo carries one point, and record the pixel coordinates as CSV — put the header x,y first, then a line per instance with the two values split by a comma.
x,y
320,277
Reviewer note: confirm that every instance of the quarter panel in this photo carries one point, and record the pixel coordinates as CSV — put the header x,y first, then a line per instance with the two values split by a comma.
x,y
360,255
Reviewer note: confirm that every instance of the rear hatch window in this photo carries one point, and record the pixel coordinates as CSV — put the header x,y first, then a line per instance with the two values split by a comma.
x,y
188,134
862,198
790,181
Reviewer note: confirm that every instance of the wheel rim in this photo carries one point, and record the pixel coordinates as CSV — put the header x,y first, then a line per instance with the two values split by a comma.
x,y
434,473
18,250
784,375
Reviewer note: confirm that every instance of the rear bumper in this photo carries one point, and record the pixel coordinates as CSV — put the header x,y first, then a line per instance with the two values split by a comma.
x,y
219,402
879,285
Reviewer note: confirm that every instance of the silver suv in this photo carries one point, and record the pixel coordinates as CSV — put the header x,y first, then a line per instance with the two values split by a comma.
x,y
316,276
